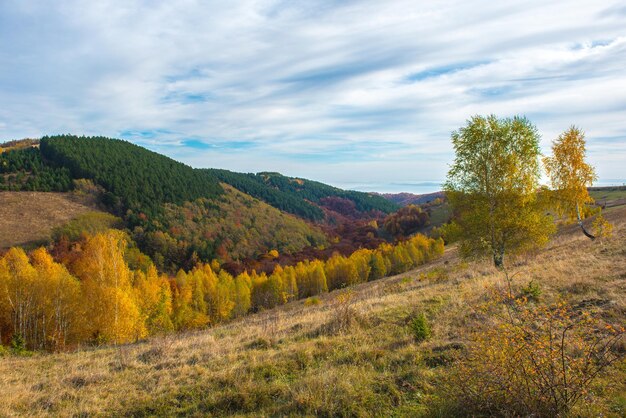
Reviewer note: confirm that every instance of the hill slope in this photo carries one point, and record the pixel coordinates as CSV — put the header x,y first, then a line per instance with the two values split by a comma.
x,y
352,354
29,217
300,196
405,199
138,179
233,227
159,197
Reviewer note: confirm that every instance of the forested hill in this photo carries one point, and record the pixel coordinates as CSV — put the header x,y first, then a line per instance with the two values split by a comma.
x,y
134,177
254,185
295,195
141,180
177,214
405,199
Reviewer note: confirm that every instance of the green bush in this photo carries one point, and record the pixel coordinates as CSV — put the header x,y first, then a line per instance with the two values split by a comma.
x,y
532,291
17,344
90,223
420,328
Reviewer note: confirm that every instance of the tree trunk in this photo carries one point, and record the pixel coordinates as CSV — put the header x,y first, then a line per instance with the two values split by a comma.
x,y
498,258
580,223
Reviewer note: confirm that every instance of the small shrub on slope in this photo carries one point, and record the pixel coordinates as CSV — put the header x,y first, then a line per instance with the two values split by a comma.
x,y
420,328
533,360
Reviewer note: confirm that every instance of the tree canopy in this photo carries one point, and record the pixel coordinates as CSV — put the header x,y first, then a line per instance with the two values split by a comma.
x,y
570,176
134,177
492,186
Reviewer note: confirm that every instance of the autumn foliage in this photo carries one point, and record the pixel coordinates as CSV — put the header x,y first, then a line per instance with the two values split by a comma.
x,y
93,296
406,221
533,359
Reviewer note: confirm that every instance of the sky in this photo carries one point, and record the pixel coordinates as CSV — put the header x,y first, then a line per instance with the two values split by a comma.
x,y
359,94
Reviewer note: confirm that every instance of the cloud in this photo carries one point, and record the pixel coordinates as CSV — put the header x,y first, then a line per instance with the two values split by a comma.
x,y
347,92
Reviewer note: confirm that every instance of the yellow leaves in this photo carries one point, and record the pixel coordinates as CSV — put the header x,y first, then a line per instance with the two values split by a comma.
x,y
103,301
570,176
38,298
241,294
223,302
532,350
602,227
340,272
115,316
154,299
568,172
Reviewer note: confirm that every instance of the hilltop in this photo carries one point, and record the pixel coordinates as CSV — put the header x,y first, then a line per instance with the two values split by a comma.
x,y
348,352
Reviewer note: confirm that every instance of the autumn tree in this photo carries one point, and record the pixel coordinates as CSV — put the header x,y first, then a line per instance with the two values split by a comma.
x,y
154,297
378,268
182,314
60,301
570,175
224,300
492,186
17,289
311,278
400,260
340,272
108,296
290,284
242,295
39,300
406,221
267,292
361,260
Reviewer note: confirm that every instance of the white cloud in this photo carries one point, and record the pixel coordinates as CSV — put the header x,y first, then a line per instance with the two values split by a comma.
x,y
341,91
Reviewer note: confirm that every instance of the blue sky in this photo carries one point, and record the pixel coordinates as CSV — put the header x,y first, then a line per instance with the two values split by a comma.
x,y
359,94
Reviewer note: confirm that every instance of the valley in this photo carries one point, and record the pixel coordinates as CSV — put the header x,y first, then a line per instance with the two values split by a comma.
x,y
356,342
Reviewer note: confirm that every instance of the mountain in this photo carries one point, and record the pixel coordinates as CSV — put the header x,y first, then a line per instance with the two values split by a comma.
x,y
178,214
405,199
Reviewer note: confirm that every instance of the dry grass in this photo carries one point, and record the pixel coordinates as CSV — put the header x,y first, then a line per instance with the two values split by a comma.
x,y
27,218
295,360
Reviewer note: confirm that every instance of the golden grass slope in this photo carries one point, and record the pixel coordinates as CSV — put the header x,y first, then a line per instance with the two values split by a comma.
x,y
29,217
350,354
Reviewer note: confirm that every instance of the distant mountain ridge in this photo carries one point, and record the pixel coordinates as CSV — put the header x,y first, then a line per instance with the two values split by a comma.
x,y
405,199
299,196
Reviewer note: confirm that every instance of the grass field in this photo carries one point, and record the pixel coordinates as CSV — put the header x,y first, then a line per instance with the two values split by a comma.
x,y
346,353
27,218
609,196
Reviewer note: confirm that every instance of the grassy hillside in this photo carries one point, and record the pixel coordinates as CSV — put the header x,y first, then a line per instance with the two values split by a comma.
x,y
18,144
29,217
609,196
342,354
